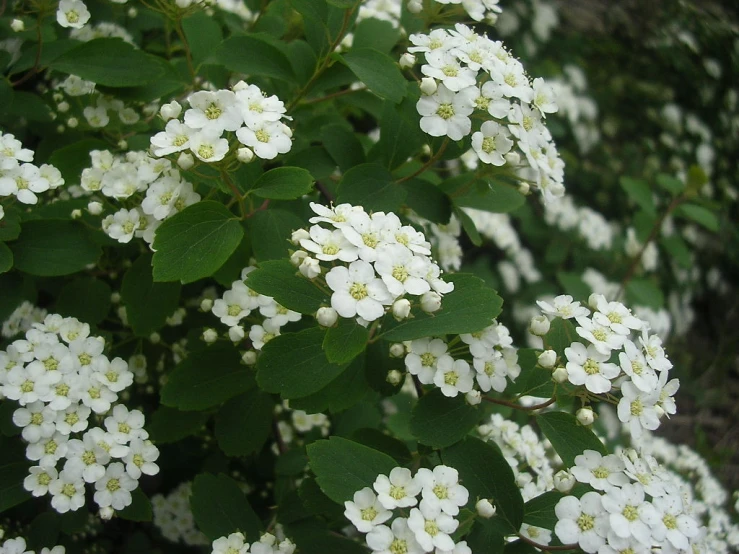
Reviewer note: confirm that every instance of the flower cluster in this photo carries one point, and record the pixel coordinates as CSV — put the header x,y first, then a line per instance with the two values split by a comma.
x,y
430,522
19,177
173,516
245,110
22,319
238,302
640,368
236,543
485,361
18,546
59,376
375,260
597,232
152,189
468,74
636,506
478,10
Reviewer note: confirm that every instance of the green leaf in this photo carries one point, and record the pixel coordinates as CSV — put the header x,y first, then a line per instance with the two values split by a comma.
x,y
573,284
343,467
539,510
270,232
343,146
491,196
488,535
281,280
486,473
169,425
345,341
567,436
87,299
263,58
44,531
440,421
678,250
220,508
71,159
346,390
376,33
469,308
561,335
378,71
10,226
313,537
93,61
372,187
695,179
54,247
12,474
206,379
639,191
6,258
148,304
203,35
644,292
699,214
196,242
670,184
400,133
244,423
283,183
139,510
534,380
469,226
428,201
343,4
295,365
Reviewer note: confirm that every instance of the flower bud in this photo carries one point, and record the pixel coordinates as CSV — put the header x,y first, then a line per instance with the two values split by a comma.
x,y
310,268
17,25
63,107
428,86
524,188
593,300
72,122
473,398
132,12
430,301
397,350
210,336
564,481
394,377
123,144
185,161
249,357
299,235
660,411
539,325
206,304
559,375
236,333
513,158
547,359
407,60
585,416
245,155
155,338
415,6
401,309
76,214
115,297
106,513
170,111
485,508
95,208
297,257
327,317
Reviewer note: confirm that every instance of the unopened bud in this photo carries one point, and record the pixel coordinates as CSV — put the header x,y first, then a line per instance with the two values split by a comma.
x,y
72,122
428,86
593,300
17,25
585,416
407,60
401,309
473,398
236,333
310,268
660,411
206,304
539,325
513,158
185,161
171,110
299,235
249,357
430,301
132,12
95,208
62,107
415,6
394,377
485,508
397,350
547,359
564,481
210,336
245,155
297,257
524,188
115,297
559,375
106,513
327,317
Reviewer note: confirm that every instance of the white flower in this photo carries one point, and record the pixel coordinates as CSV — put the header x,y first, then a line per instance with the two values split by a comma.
x,y
635,366
236,304
86,459
491,143
401,271
637,409
96,117
174,138
445,67
563,307
383,540
15,546
29,384
537,534
329,245
603,338
140,458
543,97
72,419
68,492
125,426
423,358
432,527
213,112
358,291
266,138
491,371
653,352
616,316
667,391
366,512
39,479
262,334
72,13
114,488
106,442
582,521
440,487
338,216
673,524
398,490
445,114
122,225
233,544
114,375
37,421
453,376
587,366
255,107
630,514
598,471
208,146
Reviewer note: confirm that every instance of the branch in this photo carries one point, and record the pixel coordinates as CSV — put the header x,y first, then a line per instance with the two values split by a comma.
x,y
431,161
518,406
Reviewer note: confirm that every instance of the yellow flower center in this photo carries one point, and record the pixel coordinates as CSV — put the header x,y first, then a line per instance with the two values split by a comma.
x,y
69,490
138,460
600,472
445,111
631,513
27,386
451,378
431,528
179,140
43,479
670,521
369,514
51,447
89,457
72,16
37,419
637,408
234,310
71,418
614,318
600,335
450,71
112,376
585,522
85,358
206,151
330,249
213,111
441,492
428,359
591,367
62,389
488,145
94,393
397,492
399,546
358,291
113,485
124,428
262,135
400,273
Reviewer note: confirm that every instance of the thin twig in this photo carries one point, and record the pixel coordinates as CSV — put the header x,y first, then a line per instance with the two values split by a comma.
x,y
431,161
519,406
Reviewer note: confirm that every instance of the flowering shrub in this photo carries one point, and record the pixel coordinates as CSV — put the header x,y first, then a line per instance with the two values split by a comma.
x,y
274,280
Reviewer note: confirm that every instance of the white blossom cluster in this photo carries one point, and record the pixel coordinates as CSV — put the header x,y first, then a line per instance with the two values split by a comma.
x,y
103,29
152,188
580,110
235,543
636,506
299,422
468,75
430,521
18,546
589,224
245,111
444,240
22,319
640,368
478,10
483,361
21,178
173,516
239,302
59,376
375,262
